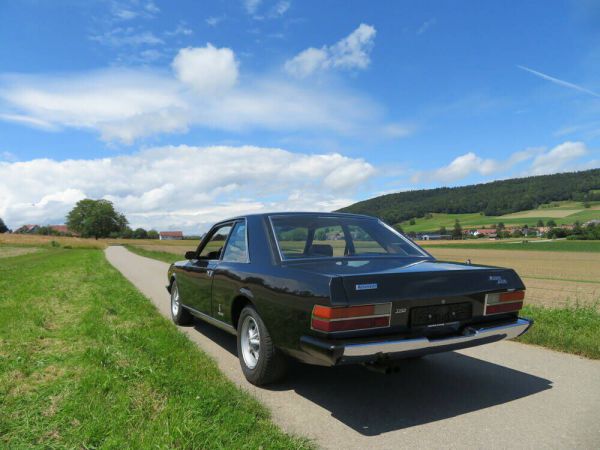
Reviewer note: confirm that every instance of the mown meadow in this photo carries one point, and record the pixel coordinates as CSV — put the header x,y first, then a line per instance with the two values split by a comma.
x,y
86,361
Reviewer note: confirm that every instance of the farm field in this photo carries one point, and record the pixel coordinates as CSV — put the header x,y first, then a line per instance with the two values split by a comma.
x,y
553,278
536,245
560,212
86,361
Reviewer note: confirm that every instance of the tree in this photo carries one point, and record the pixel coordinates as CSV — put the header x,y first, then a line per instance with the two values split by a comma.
x,y
457,231
153,234
3,227
95,218
140,233
411,222
551,223
443,230
540,223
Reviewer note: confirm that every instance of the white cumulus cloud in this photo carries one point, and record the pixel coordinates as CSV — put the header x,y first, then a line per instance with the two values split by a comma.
x,y
181,187
207,70
351,52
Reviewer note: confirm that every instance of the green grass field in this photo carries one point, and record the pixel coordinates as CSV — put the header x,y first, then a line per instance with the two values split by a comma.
x,y
574,329
156,254
86,361
476,220
548,246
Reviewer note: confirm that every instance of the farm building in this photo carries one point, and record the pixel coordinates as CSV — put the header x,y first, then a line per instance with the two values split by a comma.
x,y
62,229
26,229
170,235
433,236
489,232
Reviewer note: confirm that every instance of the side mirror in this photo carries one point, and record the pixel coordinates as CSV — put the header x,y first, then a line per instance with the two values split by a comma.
x,y
191,254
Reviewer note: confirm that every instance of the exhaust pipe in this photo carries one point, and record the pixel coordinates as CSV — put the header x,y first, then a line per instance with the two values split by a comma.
x,y
384,367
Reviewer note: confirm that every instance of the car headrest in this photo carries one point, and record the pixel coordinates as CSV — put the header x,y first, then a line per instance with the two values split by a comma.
x,y
321,250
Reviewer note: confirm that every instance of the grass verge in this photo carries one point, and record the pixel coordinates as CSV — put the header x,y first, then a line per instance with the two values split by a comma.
x,y
574,329
155,254
86,361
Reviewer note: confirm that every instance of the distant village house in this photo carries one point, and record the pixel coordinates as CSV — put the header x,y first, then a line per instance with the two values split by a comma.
x,y
170,235
27,229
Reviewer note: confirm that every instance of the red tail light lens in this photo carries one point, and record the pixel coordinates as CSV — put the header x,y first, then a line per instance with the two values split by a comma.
x,y
327,319
512,296
503,308
504,302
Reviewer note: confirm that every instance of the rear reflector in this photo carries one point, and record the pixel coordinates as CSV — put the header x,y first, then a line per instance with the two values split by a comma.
x,y
503,302
327,319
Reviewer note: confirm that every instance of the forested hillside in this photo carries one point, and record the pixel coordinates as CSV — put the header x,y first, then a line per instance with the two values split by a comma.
x,y
492,199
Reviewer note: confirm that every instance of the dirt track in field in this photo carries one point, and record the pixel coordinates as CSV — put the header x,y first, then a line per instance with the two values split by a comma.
x,y
7,252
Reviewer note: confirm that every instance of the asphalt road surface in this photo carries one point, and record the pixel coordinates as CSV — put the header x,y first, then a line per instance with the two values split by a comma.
x,y
502,395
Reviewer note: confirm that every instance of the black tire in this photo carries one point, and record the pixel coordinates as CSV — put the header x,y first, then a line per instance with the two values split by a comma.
x,y
179,314
270,365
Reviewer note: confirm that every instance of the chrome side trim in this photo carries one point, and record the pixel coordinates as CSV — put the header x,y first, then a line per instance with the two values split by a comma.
x,y
211,320
472,335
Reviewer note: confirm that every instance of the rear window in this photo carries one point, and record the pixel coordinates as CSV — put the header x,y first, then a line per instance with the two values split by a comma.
x,y
307,236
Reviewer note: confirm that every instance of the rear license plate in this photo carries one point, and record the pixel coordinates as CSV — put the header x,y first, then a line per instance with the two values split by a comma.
x,y
440,314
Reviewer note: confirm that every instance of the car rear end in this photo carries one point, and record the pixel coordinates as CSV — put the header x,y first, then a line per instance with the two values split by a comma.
x,y
424,308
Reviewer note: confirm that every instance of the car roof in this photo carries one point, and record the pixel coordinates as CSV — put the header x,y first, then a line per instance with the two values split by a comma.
x,y
298,213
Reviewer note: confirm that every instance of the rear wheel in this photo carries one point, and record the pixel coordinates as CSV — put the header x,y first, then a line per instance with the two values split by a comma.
x,y
262,363
179,314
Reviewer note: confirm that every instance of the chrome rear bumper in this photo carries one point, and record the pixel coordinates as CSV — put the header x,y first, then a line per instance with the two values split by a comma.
x,y
336,352
471,335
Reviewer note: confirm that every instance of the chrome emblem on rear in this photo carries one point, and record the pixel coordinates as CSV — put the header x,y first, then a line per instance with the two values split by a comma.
x,y
498,279
364,287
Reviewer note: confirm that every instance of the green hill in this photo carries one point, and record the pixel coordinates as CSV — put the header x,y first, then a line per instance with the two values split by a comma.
x,y
488,203
560,212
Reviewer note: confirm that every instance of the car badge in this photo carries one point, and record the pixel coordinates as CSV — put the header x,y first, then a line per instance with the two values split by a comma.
x,y
364,287
498,279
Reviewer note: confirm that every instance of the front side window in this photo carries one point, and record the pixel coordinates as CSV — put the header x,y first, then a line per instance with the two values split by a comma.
x,y
213,248
237,245
310,236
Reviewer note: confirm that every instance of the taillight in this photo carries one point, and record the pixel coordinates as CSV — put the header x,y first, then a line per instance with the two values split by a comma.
x,y
327,319
503,302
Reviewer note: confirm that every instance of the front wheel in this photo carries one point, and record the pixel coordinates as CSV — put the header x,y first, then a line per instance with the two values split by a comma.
x,y
262,363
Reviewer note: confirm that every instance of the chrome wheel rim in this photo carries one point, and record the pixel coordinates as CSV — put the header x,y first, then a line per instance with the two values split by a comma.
x,y
250,342
174,300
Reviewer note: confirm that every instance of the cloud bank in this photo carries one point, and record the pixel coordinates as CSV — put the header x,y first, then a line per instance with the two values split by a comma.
x,y
563,157
204,88
181,187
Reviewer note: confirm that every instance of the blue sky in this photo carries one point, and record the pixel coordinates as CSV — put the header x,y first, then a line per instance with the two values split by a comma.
x,y
185,112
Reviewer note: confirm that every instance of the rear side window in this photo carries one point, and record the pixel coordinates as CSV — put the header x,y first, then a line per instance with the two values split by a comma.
x,y
237,246
315,236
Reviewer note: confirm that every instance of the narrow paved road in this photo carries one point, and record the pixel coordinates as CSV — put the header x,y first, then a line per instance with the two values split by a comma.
x,y
503,395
